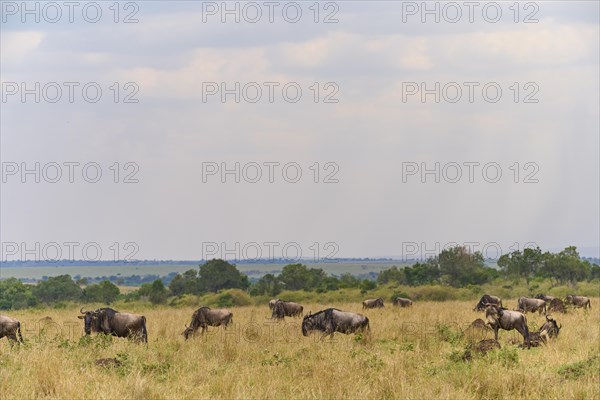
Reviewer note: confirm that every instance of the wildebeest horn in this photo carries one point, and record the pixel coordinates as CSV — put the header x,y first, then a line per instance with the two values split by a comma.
x,y
81,310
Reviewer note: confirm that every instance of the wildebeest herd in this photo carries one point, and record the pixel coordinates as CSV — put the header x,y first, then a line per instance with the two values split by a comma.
x,y
328,321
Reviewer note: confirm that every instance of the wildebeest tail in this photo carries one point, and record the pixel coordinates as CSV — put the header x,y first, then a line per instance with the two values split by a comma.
x,y
20,337
144,331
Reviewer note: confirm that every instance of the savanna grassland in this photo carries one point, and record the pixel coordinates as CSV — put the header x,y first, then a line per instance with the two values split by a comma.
x,y
412,353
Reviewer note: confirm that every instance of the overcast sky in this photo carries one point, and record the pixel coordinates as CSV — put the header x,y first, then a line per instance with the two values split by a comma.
x,y
371,131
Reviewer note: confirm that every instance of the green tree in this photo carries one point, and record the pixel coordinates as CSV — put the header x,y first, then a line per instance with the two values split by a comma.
x,y
298,277
565,266
218,274
267,285
14,294
58,288
156,292
459,267
103,292
523,264
186,283
347,280
393,274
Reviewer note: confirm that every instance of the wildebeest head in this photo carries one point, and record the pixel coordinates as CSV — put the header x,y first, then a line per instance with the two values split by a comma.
x,y
90,320
187,332
306,324
493,312
550,327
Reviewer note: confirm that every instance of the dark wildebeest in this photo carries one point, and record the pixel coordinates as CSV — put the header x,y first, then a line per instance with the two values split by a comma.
x,y
526,304
487,299
272,303
545,297
205,317
500,318
550,329
333,320
579,301
112,322
283,309
556,305
373,303
402,302
11,328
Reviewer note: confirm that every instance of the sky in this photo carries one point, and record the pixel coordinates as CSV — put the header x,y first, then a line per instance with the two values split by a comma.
x,y
189,130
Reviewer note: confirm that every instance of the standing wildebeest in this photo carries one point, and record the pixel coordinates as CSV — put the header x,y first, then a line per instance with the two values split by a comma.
x,y
545,297
112,322
579,301
500,318
205,317
333,320
402,302
11,328
556,305
272,303
283,309
373,303
487,299
526,304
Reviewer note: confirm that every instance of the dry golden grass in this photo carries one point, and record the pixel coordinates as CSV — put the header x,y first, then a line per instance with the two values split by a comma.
x,y
411,353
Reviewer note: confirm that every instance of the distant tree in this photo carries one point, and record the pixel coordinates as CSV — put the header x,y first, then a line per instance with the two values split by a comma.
x,y
186,283
298,277
392,274
523,264
459,267
367,285
58,288
103,292
14,294
218,274
156,292
347,280
267,285
422,273
565,266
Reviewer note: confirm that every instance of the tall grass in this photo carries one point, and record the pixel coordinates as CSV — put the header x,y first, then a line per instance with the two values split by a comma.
x,y
409,353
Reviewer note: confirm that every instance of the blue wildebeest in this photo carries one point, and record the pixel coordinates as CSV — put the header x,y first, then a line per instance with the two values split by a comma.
x,y
402,302
500,318
579,301
526,304
205,317
545,297
111,322
11,328
283,309
373,303
272,303
487,299
333,320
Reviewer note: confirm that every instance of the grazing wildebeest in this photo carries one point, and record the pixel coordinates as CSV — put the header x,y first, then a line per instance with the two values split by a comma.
x,y
11,328
526,304
283,309
545,297
272,303
487,299
550,329
556,305
402,302
205,317
112,322
500,318
579,301
372,303
333,320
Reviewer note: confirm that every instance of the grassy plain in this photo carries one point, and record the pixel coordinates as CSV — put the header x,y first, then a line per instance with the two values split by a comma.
x,y
411,353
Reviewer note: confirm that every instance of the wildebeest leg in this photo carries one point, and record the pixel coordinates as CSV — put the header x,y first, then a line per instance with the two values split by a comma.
x,y
20,337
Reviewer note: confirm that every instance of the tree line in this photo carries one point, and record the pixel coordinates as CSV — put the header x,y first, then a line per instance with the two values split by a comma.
x,y
455,267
